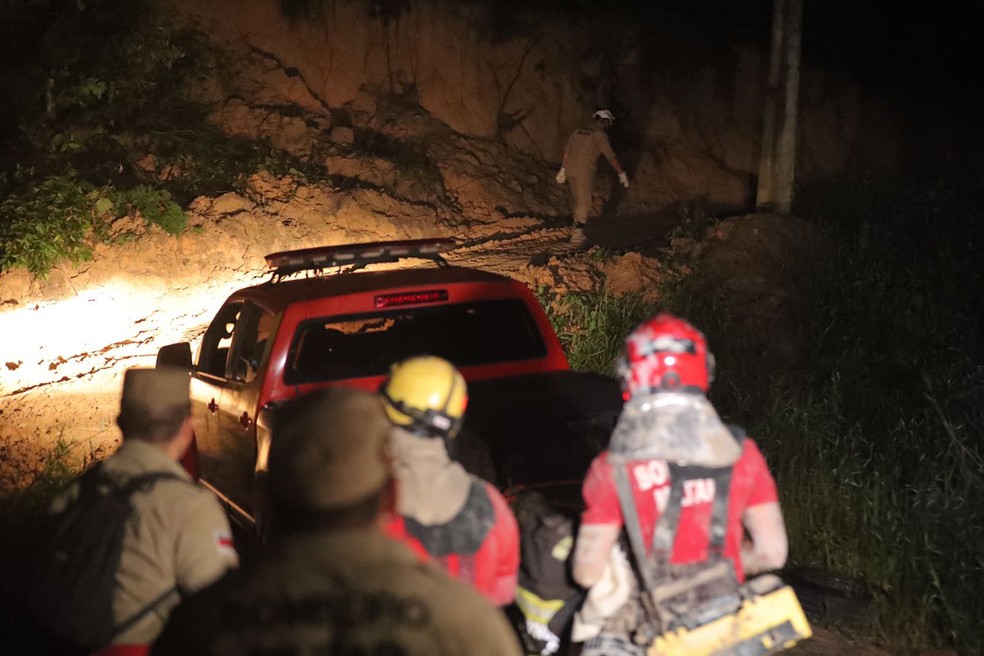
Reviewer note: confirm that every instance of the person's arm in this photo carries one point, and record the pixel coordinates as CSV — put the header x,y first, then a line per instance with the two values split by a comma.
x,y
562,173
762,516
601,523
606,150
769,546
591,551
204,549
506,534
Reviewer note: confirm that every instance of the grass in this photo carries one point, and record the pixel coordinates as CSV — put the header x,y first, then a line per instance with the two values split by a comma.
x,y
875,438
591,326
25,522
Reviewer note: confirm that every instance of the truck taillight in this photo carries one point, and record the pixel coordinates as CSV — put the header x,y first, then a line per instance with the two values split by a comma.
x,y
411,298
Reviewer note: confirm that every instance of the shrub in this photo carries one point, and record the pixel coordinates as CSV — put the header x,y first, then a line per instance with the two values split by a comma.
x,y
46,222
107,87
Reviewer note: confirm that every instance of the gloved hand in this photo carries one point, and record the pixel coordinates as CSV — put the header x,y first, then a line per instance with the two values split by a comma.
x,y
623,178
562,176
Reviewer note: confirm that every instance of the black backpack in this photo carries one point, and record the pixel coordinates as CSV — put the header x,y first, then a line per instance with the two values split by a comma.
x,y
544,569
71,593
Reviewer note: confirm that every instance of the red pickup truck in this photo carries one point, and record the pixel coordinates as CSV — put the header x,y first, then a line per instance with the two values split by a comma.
x,y
305,329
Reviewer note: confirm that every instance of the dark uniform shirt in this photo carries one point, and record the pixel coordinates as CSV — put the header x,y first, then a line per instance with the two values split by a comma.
x,y
340,592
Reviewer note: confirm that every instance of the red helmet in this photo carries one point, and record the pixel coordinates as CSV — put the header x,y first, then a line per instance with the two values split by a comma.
x,y
665,354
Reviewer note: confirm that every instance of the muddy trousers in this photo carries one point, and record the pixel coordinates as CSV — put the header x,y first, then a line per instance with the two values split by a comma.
x,y
581,187
612,645
615,637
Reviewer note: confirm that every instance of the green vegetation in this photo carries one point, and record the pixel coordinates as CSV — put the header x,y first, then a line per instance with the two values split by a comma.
x,y
592,326
57,468
101,126
875,439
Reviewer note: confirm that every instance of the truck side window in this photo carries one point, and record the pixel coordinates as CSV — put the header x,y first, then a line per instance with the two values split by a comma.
x,y
252,338
214,354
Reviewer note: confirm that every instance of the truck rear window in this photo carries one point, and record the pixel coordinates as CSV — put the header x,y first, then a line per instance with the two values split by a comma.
x,y
466,334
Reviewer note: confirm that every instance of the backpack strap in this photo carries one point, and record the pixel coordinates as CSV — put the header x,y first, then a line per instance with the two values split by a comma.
x,y
143,612
633,529
95,477
144,482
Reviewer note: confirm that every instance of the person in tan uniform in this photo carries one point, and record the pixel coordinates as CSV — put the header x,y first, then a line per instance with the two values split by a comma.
x,y
177,538
580,164
332,582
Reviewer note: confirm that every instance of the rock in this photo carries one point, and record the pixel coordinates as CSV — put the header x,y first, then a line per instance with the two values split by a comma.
x,y
230,203
365,101
632,274
342,135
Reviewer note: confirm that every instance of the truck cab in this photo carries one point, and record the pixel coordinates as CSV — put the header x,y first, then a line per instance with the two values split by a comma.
x,y
322,320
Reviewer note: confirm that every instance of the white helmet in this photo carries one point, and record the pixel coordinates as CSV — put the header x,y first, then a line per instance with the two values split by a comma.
x,y
604,115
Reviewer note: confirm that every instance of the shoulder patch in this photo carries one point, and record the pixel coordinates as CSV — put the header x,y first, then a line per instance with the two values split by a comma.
x,y
223,542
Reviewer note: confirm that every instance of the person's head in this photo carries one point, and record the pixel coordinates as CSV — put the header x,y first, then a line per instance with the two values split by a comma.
x,y
328,466
604,118
425,395
665,354
155,407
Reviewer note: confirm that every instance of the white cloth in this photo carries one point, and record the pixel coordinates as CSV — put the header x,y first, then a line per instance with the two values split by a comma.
x,y
561,176
605,597
623,179
677,427
430,487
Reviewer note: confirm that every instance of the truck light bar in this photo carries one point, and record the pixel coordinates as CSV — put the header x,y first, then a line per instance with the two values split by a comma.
x,y
411,298
285,263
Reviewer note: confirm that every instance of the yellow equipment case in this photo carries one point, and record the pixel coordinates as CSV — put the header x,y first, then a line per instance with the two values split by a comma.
x,y
703,610
769,620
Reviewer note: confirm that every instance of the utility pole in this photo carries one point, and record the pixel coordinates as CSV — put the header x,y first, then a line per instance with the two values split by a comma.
x,y
777,164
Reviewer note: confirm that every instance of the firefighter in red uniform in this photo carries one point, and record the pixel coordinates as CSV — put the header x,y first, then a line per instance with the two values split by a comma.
x,y
444,513
685,484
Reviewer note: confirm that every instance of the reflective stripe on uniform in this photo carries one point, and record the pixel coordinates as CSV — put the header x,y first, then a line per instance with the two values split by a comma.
x,y
535,608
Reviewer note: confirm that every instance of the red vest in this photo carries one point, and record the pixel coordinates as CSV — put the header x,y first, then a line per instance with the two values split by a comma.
x,y
480,545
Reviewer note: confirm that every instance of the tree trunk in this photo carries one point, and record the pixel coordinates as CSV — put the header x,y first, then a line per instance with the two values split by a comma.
x,y
765,196
778,155
786,162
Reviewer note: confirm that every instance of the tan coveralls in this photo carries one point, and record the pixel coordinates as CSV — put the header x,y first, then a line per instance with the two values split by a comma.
x,y
177,537
341,591
581,162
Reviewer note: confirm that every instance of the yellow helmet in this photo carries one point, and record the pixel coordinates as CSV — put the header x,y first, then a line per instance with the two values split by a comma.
x,y
427,395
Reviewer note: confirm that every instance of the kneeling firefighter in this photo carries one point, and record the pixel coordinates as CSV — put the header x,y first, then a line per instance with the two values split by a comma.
x,y
444,513
681,489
